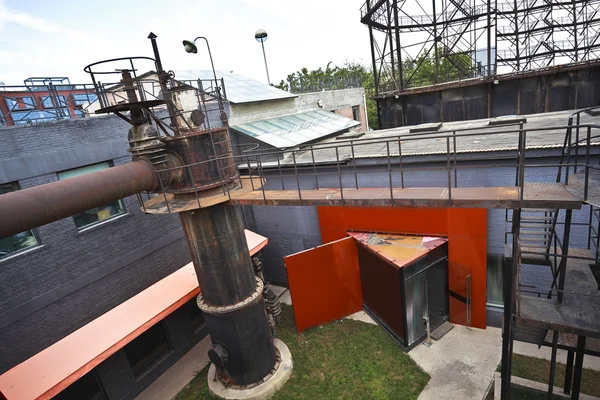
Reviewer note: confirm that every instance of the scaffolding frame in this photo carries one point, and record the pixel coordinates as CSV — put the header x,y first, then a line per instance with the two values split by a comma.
x,y
497,37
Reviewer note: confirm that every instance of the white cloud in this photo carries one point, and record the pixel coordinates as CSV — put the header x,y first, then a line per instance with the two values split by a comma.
x,y
34,23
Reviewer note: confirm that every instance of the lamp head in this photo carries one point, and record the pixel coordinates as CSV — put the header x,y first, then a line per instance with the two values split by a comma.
x,y
260,35
190,46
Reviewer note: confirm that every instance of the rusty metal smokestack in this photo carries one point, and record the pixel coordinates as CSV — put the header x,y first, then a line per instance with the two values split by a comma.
x,y
231,296
195,162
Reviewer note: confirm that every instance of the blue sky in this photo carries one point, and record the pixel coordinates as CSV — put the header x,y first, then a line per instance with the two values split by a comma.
x,y
59,37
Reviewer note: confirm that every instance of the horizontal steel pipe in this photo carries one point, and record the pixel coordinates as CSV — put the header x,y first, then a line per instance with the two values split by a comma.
x,y
32,207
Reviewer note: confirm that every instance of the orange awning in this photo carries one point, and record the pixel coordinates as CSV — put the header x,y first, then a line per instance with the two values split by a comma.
x,y
53,369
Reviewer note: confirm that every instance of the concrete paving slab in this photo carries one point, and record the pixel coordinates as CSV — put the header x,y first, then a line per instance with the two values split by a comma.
x,y
461,364
285,298
179,375
278,290
363,317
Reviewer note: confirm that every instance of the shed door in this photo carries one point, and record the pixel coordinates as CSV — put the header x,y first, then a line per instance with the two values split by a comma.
x,y
324,283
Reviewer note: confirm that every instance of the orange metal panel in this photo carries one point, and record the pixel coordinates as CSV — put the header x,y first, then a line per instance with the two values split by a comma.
x,y
324,283
466,229
467,222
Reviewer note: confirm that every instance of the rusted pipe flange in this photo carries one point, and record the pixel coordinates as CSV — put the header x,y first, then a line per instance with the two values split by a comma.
x,y
215,310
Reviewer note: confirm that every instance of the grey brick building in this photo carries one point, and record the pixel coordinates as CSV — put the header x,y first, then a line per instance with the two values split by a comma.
x,y
74,270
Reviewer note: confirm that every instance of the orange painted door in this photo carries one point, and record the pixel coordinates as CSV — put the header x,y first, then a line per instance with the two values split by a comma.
x,y
324,283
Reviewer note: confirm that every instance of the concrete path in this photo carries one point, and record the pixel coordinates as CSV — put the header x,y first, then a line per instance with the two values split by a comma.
x,y
179,375
461,364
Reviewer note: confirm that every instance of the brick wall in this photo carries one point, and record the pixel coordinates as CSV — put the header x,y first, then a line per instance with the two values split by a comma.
x,y
76,276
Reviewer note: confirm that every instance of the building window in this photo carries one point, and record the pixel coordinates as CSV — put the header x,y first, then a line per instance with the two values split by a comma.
x,y
28,103
11,104
47,102
97,214
495,268
21,241
62,101
81,99
87,387
145,350
196,316
355,113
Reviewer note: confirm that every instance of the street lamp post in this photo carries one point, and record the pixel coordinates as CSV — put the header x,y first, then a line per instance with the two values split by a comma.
x,y
190,47
261,36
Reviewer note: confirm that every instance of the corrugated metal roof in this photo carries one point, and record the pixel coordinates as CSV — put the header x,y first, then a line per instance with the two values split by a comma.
x,y
294,129
239,89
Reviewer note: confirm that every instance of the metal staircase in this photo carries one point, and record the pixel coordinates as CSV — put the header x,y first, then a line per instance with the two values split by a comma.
x,y
537,240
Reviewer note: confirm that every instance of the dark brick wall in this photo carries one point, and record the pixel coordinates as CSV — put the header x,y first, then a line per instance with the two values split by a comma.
x,y
74,276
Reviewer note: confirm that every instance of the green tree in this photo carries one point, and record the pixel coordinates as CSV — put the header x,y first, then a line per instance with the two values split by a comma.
x,y
351,74
451,67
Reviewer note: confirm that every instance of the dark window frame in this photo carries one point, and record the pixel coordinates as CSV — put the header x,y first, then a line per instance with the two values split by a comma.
x,y
356,113
96,377
14,186
139,375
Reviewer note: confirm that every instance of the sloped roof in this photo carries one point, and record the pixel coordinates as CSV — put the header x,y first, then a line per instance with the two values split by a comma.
x,y
295,129
238,88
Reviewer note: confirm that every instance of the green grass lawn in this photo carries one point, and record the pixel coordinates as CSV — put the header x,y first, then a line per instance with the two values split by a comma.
x,y
538,370
344,359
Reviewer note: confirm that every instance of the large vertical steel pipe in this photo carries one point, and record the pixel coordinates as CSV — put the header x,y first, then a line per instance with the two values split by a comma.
x,y
231,297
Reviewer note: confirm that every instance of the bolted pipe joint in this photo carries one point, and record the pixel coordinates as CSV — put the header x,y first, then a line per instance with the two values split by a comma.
x,y
146,144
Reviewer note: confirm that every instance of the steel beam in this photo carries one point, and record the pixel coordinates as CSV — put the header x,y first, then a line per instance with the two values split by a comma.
x,y
578,368
565,251
569,371
509,292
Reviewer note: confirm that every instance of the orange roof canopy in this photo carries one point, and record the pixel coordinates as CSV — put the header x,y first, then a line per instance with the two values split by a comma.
x,y
53,369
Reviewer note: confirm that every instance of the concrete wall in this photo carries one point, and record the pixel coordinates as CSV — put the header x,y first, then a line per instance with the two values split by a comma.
x,y
341,101
74,277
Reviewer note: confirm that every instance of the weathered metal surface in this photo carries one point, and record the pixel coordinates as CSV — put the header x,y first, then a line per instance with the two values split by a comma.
x,y
216,240
232,302
246,336
168,203
207,160
32,207
561,317
536,195
556,89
